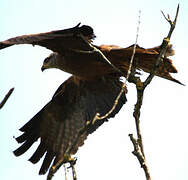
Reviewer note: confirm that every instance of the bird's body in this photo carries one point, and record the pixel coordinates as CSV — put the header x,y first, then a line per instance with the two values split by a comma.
x,y
92,89
81,65
89,65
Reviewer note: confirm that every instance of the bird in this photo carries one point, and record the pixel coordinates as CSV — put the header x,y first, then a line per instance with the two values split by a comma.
x,y
65,122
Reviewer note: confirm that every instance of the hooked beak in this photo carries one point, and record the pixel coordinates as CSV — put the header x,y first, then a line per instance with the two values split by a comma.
x,y
43,68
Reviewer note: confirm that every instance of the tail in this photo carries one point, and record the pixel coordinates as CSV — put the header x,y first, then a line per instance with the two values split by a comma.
x,y
145,59
166,66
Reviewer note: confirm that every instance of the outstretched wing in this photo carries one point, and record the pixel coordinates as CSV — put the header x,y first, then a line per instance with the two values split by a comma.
x,y
55,40
59,123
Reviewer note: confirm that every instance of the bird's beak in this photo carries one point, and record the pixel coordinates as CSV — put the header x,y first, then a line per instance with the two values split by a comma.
x,y
43,68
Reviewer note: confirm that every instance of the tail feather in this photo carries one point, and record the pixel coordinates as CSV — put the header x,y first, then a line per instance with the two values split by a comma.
x,y
169,66
146,59
166,67
169,51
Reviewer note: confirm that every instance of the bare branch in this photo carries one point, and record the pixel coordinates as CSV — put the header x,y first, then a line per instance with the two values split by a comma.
x,y
97,115
136,151
65,169
140,86
165,16
72,166
6,98
140,156
134,48
163,47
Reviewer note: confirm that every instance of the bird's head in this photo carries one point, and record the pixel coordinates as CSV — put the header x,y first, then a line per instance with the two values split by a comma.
x,y
88,33
50,62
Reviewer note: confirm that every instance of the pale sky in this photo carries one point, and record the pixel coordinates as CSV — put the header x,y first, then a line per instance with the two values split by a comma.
x,y
106,153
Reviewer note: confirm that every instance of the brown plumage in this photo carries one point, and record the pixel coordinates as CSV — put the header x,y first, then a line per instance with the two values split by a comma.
x,y
74,104
92,89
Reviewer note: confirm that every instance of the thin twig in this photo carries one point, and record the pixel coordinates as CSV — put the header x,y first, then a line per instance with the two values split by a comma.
x,y
6,98
123,89
97,115
134,48
101,55
65,169
72,166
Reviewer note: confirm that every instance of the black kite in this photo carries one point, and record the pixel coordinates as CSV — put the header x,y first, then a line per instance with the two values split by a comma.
x,y
92,88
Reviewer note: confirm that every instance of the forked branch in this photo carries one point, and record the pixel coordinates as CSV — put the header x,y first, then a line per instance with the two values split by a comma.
x,y
163,45
140,86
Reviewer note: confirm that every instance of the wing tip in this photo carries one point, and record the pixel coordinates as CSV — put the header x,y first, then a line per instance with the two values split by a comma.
x,y
4,45
46,162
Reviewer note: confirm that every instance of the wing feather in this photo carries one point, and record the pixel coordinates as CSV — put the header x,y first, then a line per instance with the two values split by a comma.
x,y
74,104
38,153
46,162
56,41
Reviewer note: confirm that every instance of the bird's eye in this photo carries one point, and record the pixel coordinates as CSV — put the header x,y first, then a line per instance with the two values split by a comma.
x,y
46,60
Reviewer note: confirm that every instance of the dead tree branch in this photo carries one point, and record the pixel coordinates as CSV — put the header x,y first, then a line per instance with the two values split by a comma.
x,y
6,98
163,45
140,86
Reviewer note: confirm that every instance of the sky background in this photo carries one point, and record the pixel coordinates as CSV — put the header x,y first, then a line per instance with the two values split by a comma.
x,y
106,153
